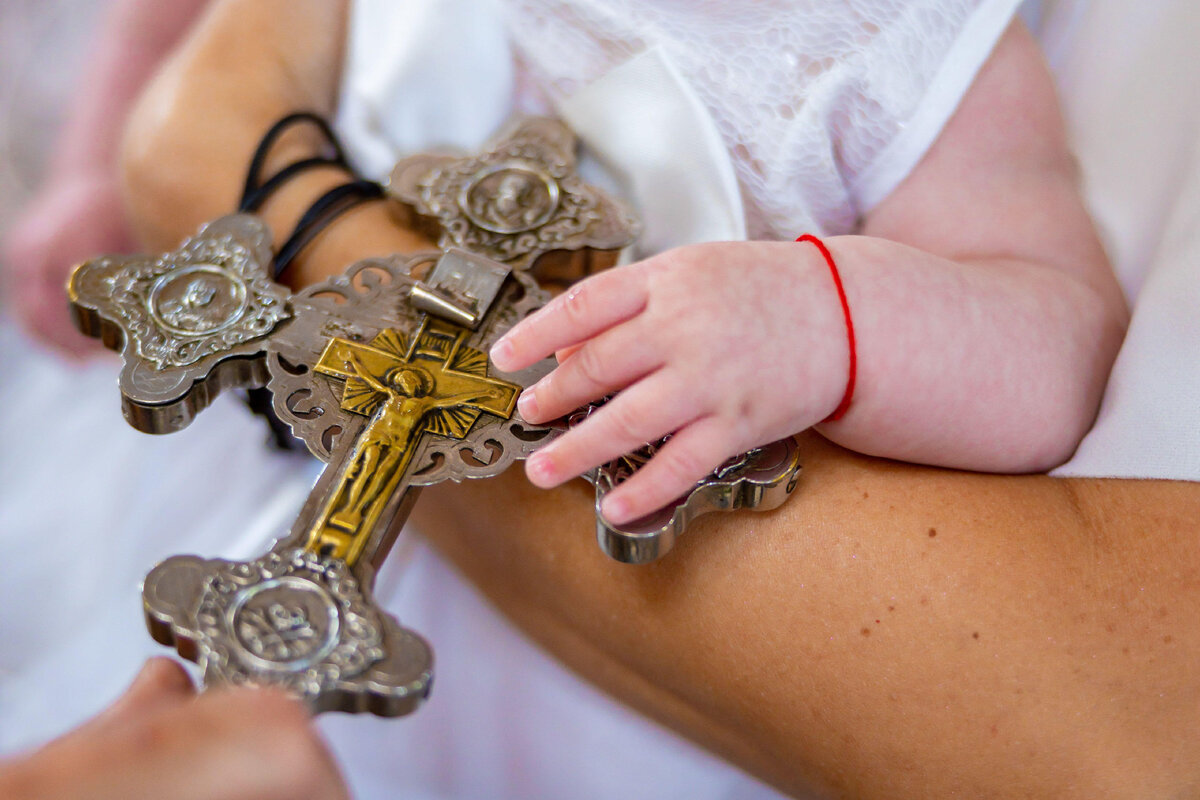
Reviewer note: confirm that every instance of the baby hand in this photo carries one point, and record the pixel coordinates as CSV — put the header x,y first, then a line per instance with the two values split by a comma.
x,y
727,346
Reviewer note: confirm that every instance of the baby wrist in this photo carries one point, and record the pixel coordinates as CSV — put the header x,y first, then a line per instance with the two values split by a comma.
x,y
852,376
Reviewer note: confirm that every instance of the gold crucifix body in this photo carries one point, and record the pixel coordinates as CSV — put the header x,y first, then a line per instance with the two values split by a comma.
x,y
428,383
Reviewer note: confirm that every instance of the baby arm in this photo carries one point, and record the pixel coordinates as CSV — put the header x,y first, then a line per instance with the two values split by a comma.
x,y
987,318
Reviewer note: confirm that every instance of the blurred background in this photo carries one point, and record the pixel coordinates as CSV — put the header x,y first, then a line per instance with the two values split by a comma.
x,y
85,500
42,47
88,505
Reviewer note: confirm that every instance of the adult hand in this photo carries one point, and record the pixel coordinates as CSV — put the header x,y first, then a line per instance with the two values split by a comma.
x,y
73,218
160,740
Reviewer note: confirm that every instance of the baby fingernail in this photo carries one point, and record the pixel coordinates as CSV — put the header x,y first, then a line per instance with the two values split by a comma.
x,y
540,469
502,353
615,509
527,404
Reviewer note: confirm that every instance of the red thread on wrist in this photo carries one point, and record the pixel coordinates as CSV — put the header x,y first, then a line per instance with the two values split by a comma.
x,y
843,406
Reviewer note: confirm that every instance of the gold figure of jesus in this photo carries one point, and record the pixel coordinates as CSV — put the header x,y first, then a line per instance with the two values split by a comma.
x,y
432,384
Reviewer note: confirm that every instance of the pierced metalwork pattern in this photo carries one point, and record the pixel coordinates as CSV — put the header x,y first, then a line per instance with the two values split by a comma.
x,y
759,479
484,453
357,306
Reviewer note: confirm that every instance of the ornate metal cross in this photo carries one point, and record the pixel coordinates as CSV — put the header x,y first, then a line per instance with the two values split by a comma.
x,y
430,381
385,377
188,323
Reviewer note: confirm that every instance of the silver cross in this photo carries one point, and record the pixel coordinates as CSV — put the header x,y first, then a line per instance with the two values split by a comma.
x,y
757,480
385,377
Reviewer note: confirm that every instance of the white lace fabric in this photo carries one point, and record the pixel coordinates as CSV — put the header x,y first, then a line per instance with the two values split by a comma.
x,y
824,106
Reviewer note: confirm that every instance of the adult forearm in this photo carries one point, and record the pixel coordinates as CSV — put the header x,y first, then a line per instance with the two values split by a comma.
x,y
890,632
193,132
993,364
135,37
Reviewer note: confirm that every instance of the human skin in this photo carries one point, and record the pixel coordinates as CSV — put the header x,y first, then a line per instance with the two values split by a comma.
x,y
986,318
77,211
892,631
160,740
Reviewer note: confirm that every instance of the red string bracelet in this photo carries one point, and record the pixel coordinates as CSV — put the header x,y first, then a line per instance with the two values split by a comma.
x,y
843,406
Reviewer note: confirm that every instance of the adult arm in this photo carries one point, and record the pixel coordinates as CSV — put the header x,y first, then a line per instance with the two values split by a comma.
x,y
191,135
77,211
892,631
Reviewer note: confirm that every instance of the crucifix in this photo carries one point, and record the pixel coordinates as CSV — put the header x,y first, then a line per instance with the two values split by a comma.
x,y
521,201
392,395
384,376
407,386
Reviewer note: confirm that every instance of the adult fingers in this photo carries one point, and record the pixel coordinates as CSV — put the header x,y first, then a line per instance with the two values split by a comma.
x,y
607,363
690,455
279,754
42,309
68,221
236,744
160,684
626,423
584,310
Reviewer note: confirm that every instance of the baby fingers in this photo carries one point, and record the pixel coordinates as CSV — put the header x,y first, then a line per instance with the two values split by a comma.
x,y
685,459
601,366
586,309
634,417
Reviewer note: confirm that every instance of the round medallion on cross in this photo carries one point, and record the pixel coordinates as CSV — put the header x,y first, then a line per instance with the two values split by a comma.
x,y
198,299
510,197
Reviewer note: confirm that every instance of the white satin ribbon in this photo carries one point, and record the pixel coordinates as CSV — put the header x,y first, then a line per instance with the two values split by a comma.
x,y
647,127
422,75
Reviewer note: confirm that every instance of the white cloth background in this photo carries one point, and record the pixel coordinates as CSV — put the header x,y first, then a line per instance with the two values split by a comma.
x,y
1133,107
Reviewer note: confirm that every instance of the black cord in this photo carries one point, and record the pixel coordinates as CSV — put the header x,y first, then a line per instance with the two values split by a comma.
x,y
320,214
255,191
326,208
253,201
